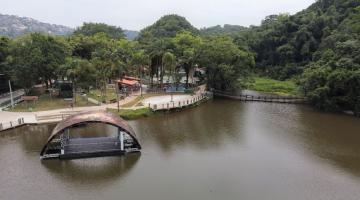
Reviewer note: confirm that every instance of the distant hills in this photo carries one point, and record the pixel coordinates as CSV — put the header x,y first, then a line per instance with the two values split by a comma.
x,y
14,26
131,35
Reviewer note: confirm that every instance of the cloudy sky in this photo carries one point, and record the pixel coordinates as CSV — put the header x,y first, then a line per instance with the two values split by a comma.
x,y
137,14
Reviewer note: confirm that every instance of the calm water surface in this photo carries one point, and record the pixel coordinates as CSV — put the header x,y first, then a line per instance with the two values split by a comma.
x,y
220,150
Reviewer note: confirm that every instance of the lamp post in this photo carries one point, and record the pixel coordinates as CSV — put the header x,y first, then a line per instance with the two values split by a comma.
x,y
11,95
140,74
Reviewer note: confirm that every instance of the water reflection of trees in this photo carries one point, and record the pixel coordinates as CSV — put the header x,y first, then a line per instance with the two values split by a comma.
x,y
333,137
92,170
209,126
32,138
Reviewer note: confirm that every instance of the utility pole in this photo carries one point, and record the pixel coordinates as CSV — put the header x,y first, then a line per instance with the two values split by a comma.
x,y
117,95
11,95
140,82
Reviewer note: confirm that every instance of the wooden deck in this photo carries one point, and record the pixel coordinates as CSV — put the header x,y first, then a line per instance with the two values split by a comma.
x,y
262,98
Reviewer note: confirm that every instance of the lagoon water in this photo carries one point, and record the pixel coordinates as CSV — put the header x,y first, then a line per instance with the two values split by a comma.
x,y
224,149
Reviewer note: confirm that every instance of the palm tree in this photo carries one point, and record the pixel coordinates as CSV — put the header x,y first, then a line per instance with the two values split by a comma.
x,y
140,59
156,51
169,61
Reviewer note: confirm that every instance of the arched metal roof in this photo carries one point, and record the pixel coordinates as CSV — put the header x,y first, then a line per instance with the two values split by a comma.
x,y
92,117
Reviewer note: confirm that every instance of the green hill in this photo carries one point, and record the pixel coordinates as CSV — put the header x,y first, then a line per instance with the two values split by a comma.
x,y
167,26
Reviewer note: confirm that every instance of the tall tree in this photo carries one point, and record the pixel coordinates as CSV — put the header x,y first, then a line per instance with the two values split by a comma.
x,y
227,66
4,53
107,61
140,60
36,58
169,61
187,48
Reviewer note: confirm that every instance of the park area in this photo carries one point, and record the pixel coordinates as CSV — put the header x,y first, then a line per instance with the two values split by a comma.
x,y
45,102
282,88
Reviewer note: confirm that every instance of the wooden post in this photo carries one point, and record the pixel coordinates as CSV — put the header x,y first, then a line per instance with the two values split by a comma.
x,y
122,141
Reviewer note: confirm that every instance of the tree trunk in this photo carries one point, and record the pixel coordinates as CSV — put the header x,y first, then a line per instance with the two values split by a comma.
x,y
51,85
46,83
105,90
161,75
74,92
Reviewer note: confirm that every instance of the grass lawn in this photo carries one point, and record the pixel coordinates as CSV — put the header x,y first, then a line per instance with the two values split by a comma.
x,y
132,114
96,94
47,103
283,88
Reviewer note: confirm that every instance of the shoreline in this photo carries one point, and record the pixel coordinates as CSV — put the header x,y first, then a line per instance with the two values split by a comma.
x,y
10,120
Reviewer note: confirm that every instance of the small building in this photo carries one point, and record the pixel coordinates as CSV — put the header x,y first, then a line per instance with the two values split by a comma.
x,y
128,84
131,78
62,144
65,89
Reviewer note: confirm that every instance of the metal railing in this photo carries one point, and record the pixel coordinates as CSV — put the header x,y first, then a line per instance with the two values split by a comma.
x,y
55,117
178,104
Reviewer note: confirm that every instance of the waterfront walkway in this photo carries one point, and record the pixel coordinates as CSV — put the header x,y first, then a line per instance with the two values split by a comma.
x,y
13,119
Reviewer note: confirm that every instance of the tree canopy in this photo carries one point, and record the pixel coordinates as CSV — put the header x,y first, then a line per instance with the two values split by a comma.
x,y
167,26
89,29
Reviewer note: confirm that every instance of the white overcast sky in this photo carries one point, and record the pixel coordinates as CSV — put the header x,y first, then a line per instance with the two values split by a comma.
x,y
137,14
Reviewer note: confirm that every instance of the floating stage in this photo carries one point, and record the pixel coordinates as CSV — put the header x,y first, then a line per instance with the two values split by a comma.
x,y
62,145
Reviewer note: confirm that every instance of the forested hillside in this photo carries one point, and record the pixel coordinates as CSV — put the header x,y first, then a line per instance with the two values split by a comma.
x,y
89,29
227,29
285,44
167,26
320,46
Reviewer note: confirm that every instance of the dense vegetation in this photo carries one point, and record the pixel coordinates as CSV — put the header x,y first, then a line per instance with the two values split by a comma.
x,y
98,53
318,47
167,26
227,29
89,29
